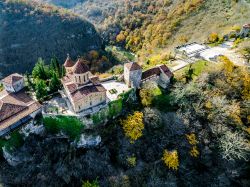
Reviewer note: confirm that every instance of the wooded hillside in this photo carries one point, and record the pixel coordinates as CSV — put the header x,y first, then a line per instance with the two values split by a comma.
x,y
29,31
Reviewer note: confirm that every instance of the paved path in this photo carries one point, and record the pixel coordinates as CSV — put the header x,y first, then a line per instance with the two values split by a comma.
x,y
223,49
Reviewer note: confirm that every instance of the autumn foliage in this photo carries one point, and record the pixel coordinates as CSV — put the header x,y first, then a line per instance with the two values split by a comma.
x,y
194,152
133,126
171,160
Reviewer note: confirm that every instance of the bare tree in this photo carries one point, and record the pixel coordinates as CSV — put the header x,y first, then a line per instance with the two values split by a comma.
x,y
234,146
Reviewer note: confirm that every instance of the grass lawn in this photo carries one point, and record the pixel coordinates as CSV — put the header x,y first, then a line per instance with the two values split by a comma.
x,y
198,67
121,54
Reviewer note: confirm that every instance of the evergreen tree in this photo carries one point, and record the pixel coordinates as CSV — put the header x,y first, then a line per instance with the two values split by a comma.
x,y
189,73
41,89
55,83
40,71
55,66
29,82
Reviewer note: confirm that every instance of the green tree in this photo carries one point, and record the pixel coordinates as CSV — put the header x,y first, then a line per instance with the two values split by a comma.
x,y
189,73
55,66
40,71
29,82
41,89
90,184
54,83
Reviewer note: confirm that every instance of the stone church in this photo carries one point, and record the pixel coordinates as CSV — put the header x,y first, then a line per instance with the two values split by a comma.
x,y
83,90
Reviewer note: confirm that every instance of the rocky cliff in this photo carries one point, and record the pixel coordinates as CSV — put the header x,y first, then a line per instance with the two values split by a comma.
x,y
31,30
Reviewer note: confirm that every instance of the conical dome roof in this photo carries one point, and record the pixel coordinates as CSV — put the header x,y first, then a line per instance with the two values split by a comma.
x,y
80,67
68,63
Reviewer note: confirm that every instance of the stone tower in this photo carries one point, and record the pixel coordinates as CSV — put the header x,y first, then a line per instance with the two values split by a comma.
x,y
132,74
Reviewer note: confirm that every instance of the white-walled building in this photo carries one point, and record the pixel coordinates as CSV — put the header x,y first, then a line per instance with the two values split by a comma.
x,y
134,76
16,107
13,83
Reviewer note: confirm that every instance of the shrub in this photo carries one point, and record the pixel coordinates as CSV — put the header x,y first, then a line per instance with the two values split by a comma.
x,y
213,37
191,139
90,184
234,146
171,159
194,151
115,108
148,92
152,118
119,181
71,126
2,144
15,141
131,161
133,126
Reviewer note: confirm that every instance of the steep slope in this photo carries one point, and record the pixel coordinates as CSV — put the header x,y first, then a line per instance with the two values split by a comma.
x,y
63,3
29,31
148,26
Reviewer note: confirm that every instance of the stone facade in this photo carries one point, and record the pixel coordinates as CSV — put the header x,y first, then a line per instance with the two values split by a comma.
x,y
134,77
13,83
89,101
16,107
82,89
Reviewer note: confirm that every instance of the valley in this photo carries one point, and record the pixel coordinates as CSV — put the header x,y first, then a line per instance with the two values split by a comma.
x,y
28,33
124,93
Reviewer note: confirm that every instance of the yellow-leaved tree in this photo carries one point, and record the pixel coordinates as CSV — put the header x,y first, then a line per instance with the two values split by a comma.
x,y
245,74
191,139
194,152
171,159
133,126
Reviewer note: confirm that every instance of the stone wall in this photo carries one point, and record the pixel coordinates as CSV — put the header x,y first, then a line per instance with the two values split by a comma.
x,y
89,101
135,78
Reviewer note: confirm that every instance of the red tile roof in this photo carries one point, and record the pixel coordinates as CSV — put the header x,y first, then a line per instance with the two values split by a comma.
x,y
67,79
247,26
72,87
132,66
68,62
86,90
14,107
80,67
94,79
166,70
148,73
157,71
11,79
8,109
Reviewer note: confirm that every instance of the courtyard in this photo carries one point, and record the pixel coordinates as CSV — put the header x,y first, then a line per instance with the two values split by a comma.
x,y
114,89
